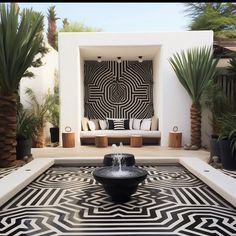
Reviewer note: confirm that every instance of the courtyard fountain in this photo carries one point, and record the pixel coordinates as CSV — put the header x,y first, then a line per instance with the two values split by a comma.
x,y
119,177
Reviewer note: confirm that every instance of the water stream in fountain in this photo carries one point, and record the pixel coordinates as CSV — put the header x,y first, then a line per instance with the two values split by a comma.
x,y
117,161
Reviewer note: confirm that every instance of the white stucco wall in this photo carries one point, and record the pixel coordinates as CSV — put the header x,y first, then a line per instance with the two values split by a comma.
x,y
171,101
43,80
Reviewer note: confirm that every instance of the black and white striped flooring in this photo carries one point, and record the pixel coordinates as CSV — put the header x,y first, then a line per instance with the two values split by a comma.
x,y
68,201
6,171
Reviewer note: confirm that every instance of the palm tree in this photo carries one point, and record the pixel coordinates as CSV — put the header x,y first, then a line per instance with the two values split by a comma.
x,y
20,40
216,16
65,23
195,70
52,27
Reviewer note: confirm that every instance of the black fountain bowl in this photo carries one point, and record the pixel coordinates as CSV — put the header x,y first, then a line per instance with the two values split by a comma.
x,y
120,187
127,159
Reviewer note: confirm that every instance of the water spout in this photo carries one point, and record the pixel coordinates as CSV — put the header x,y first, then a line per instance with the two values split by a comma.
x,y
117,161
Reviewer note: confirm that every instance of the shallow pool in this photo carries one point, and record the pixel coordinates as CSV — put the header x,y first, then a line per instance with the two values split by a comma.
x,y
66,200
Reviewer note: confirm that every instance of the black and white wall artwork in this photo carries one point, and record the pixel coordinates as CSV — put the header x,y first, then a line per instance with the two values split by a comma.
x,y
118,90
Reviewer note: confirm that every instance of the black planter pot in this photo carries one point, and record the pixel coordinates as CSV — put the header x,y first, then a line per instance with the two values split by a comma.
x,y
54,131
228,158
23,148
214,146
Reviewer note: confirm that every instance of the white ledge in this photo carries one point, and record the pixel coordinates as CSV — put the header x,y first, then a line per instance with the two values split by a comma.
x,y
218,181
20,178
221,183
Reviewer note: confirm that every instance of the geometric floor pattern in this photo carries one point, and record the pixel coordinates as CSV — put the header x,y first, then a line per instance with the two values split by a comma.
x,y
68,201
7,171
231,173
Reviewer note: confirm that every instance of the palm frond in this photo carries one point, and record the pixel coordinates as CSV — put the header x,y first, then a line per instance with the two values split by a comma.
x,y
194,68
20,39
25,124
39,108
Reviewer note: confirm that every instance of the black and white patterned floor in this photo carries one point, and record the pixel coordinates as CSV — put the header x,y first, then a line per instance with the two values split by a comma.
x,y
68,201
7,171
231,173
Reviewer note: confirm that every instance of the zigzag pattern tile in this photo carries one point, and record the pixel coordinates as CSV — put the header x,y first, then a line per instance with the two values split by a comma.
x,y
68,201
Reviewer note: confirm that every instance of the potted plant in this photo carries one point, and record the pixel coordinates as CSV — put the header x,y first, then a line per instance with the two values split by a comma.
x,y
219,104
54,114
39,108
24,132
215,100
54,120
227,141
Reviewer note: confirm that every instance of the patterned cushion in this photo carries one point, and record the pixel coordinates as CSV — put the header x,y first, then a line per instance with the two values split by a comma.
x,y
119,124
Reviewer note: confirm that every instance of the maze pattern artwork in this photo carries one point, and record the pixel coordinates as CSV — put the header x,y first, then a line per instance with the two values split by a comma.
x,y
118,90
68,201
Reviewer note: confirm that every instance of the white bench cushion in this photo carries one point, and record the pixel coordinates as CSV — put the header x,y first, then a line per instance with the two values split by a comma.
x,y
120,133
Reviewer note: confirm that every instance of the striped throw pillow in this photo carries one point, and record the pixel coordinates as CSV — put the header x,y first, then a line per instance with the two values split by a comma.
x,y
119,124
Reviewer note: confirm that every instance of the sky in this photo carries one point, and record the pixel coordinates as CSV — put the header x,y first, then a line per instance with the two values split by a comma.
x,y
119,17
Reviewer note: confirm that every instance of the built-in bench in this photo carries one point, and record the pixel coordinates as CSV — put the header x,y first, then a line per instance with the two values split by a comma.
x,y
150,137
148,130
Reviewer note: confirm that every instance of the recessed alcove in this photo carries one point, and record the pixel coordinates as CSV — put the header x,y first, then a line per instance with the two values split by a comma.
x,y
171,103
